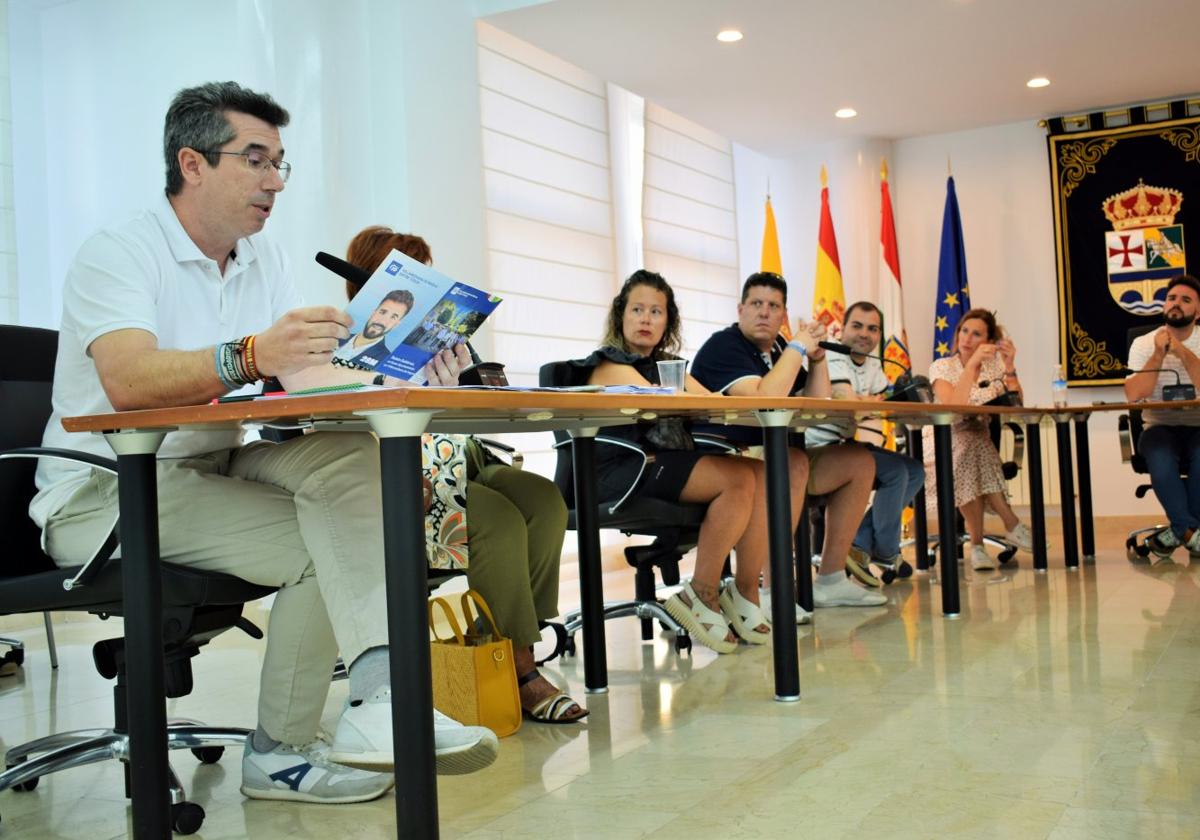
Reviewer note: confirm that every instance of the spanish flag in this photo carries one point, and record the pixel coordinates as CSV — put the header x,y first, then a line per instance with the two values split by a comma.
x,y
829,298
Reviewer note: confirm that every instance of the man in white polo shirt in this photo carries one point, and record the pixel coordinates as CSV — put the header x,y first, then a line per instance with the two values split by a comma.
x,y
859,376
1171,441
185,303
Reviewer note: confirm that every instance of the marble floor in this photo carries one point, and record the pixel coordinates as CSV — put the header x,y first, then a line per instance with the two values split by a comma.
x,y
1064,705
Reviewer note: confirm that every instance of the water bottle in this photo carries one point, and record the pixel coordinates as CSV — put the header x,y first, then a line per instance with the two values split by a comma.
x,y
1058,387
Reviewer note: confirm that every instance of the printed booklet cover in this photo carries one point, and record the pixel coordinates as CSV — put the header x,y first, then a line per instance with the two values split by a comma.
x,y
405,314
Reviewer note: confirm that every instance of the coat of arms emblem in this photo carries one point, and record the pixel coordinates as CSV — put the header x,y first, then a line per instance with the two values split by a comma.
x,y
1144,249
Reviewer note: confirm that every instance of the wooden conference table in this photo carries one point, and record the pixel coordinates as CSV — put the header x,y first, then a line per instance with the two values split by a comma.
x,y
399,417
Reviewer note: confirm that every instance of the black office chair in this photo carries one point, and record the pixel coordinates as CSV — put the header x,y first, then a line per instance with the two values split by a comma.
x,y
1129,432
197,606
675,528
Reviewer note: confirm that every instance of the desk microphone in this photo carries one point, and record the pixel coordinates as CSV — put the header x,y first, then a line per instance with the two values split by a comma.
x,y
1178,392
906,388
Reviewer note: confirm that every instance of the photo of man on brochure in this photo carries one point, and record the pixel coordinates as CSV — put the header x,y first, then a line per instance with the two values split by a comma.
x,y
367,348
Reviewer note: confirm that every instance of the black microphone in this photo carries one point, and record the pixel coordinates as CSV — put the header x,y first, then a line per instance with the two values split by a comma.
x,y
1178,392
835,347
347,271
906,388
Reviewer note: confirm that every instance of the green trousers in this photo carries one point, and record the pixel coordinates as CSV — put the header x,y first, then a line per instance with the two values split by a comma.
x,y
516,522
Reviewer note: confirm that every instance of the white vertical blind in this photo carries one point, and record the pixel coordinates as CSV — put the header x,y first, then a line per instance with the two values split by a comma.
x,y
549,210
690,222
8,245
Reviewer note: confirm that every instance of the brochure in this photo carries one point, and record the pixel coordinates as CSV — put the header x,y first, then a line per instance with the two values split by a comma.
x,y
405,314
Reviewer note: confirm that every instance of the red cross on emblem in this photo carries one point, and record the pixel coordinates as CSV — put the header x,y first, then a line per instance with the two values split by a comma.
x,y
1124,251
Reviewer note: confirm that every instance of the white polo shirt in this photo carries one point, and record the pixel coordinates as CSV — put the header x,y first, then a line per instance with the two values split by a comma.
x,y
148,274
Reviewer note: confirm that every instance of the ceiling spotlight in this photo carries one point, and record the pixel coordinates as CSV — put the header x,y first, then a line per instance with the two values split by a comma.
x,y
845,113
1037,82
729,36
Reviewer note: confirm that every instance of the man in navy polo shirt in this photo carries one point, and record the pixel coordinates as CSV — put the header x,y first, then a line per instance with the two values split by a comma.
x,y
751,359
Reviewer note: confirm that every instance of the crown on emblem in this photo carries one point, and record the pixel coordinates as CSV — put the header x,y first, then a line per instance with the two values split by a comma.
x,y
1142,206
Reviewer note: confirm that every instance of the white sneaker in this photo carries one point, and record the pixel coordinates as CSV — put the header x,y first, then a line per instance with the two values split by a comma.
x,y
1021,537
364,739
305,774
981,561
843,592
803,616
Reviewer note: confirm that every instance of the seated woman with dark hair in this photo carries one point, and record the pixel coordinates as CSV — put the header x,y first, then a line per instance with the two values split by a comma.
x,y
980,368
516,522
643,329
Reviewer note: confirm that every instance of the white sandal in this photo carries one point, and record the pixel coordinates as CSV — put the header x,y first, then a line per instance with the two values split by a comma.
x,y
707,627
745,617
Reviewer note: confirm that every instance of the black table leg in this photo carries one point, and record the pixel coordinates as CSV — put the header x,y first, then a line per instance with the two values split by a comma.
x,y
1066,491
137,497
591,583
406,580
947,524
779,532
803,554
916,449
1037,504
1083,463
802,549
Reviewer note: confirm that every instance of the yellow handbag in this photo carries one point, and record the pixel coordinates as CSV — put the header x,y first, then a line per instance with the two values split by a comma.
x,y
474,678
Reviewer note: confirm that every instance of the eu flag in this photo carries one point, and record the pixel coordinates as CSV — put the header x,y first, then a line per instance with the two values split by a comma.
x,y
953,298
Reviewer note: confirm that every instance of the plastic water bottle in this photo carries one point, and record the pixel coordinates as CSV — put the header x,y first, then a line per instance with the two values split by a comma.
x,y
1058,387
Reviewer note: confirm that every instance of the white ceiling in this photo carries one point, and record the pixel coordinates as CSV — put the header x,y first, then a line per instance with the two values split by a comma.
x,y
909,67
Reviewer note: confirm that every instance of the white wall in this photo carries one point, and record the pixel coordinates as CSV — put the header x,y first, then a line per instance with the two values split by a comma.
x,y
1001,177
795,183
385,122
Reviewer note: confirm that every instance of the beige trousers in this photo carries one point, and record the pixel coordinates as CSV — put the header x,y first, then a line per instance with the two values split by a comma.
x,y
302,515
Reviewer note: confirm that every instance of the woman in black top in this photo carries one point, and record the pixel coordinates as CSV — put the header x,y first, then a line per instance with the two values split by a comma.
x,y
643,329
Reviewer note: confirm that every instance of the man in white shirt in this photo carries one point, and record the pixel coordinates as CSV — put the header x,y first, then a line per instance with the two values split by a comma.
x,y
860,376
1171,440
185,303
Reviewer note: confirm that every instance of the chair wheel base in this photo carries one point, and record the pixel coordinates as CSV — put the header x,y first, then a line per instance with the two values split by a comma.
x,y
186,817
208,755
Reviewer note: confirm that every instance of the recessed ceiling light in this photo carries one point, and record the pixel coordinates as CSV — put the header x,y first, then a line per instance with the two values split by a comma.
x,y
845,113
729,36
1037,82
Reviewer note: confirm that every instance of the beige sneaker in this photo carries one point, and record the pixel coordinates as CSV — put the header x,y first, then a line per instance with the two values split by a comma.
x,y
981,561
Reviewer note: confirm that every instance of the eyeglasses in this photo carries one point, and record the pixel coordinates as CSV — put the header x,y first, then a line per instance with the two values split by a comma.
x,y
257,162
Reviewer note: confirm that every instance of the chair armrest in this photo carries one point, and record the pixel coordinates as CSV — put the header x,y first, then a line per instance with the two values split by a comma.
x,y
95,565
709,441
1018,434
515,457
109,465
1125,436
624,444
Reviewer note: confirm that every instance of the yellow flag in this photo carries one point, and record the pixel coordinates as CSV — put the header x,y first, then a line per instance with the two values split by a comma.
x,y
770,244
770,257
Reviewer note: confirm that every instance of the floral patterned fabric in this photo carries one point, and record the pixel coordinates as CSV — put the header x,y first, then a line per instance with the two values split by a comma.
x,y
444,476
